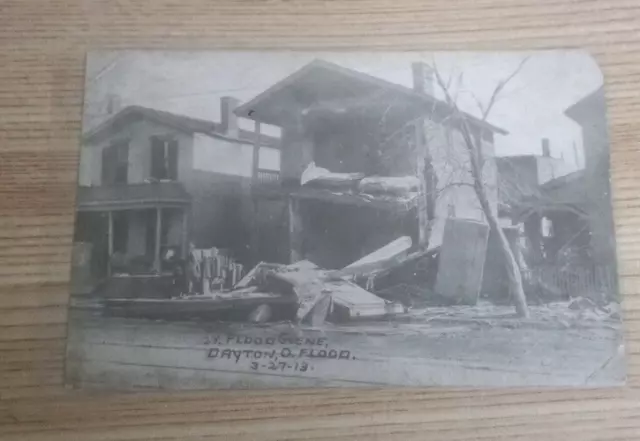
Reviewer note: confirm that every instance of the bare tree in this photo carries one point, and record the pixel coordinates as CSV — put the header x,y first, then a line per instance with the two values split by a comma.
x,y
473,145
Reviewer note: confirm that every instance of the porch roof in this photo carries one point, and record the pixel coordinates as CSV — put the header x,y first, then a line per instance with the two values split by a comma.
x,y
132,196
567,193
322,84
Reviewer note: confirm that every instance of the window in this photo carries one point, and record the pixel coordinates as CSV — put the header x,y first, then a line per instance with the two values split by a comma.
x,y
164,158
546,227
115,163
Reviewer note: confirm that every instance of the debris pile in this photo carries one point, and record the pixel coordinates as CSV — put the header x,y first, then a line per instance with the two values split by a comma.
x,y
402,189
579,312
301,292
322,295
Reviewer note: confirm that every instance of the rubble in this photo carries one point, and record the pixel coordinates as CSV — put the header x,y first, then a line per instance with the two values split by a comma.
x,y
306,281
556,315
303,292
320,290
380,260
261,314
356,188
324,178
311,294
581,303
389,185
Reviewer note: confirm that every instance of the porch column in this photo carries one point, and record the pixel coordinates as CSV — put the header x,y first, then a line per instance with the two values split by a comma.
x,y
184,243
423,85
255,163
156,254
109,240
254,239
423,210
295,231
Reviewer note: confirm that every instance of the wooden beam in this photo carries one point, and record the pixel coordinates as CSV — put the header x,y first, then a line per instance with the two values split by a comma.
x,y
255,162
388,256
423,217
184,239
156,253
255,231
109,240
295,231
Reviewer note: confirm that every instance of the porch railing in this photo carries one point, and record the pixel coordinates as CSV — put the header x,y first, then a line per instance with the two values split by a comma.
x,y
264,176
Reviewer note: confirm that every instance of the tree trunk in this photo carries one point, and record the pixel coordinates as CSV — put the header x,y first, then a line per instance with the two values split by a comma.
x,y
428,186
513,270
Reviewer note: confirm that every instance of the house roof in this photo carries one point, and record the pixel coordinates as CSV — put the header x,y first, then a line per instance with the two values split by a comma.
x,y
132,196
322,79
575,178
593,102
566,193
182,123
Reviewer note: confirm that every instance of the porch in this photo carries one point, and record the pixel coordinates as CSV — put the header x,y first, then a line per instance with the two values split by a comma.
x,y
130,227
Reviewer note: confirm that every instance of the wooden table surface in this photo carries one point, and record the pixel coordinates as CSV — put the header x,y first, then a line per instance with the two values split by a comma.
x,y
42,47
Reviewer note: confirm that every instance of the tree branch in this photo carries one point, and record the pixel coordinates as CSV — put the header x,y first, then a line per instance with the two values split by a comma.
x,y
501,85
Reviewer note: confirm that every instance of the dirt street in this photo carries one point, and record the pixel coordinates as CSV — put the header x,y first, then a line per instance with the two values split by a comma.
x,y
125,353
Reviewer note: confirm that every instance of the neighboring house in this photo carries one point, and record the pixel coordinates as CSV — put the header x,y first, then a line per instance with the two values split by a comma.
x,y
573,214
347,121
521,176
590,114
151,180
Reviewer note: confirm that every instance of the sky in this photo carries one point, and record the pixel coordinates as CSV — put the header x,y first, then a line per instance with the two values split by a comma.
x,y
530,107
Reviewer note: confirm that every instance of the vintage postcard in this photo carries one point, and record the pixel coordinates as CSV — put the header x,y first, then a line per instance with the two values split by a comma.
x,y
277,219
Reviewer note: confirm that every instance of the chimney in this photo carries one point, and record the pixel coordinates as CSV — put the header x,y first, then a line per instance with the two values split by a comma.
x,y
228,119
422,78
114,104
546,150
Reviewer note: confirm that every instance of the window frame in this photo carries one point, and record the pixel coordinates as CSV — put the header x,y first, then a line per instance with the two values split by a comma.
x,y
169,170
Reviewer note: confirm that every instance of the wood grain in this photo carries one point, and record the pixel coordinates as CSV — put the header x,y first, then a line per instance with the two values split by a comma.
x,y
42,47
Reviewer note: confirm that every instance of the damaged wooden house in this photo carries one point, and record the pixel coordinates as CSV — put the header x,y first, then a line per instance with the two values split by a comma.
x,y
152,182
372,178
365,161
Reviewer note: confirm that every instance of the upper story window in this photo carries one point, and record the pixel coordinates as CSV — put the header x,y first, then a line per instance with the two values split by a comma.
x,y
164,158
115,163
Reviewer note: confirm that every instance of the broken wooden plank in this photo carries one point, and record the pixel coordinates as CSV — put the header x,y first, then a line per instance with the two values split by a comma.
x,y
316,291
321,177
307,281
318,314
405,260
387,256
255,274
354,301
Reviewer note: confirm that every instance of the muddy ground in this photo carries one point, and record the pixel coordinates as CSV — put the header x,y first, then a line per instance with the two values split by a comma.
x,y
464,346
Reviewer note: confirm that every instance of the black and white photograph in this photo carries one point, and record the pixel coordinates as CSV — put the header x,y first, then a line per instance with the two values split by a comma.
x,y
343,219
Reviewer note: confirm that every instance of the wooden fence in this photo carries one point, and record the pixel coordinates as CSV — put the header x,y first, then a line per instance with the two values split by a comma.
x,y
598,282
